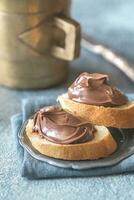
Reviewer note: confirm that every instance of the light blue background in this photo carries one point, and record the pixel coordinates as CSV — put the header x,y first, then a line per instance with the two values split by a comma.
x,y
112,23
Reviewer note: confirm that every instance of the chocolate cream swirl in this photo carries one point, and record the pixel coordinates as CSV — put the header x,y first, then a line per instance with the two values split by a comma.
x,y
94,89
58,126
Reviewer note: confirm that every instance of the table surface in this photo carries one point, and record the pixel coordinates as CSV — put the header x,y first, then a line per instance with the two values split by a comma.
x,y
14,187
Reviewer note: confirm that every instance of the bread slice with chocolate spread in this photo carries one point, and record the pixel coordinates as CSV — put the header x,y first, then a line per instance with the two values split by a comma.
x,y
118,117
93,99
102,145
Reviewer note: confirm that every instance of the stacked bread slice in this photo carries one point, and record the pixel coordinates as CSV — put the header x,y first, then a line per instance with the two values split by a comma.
x,y
118,117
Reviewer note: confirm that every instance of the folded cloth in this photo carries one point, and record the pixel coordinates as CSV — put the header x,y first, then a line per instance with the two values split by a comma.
x,y
34,169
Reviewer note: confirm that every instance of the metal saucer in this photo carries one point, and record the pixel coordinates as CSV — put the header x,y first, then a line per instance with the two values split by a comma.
x,y
124,139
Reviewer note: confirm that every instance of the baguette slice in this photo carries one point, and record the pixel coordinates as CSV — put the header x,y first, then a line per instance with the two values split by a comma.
x,y
101,146
119,116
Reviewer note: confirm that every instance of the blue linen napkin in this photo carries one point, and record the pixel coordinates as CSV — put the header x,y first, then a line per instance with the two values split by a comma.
x,y
34,169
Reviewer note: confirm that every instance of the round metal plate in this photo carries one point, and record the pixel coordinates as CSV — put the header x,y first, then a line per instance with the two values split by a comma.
x,y
124,139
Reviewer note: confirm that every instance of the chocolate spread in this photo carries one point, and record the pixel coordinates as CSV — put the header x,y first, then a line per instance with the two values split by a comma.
x,y
93,89
58,126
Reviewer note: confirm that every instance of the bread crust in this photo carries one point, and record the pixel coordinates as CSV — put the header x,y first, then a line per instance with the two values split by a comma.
x,y
119,116
101,146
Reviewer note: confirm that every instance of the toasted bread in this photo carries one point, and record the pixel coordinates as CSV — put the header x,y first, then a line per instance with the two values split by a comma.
x,y
101,146
119,116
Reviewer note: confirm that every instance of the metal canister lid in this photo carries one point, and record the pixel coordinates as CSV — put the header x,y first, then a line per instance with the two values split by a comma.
x,y
34,6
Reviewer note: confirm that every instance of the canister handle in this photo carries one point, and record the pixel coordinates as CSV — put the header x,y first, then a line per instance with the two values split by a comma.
x,y
72,32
